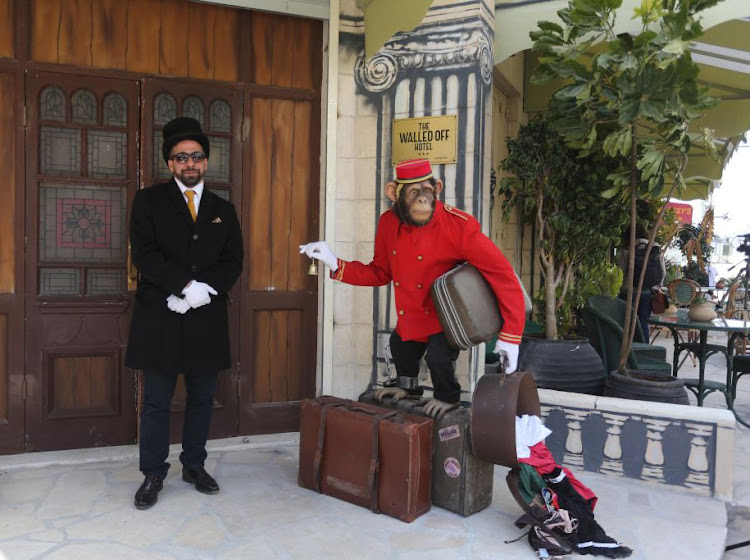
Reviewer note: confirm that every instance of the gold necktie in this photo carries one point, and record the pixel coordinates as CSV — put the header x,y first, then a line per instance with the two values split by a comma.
x,y
191,205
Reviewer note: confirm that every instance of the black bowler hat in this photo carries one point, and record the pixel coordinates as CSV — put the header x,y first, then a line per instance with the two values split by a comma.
x,y
183,128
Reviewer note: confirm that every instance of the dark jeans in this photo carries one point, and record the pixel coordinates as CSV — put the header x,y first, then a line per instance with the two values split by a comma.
x,y
644,310
440,358
157,398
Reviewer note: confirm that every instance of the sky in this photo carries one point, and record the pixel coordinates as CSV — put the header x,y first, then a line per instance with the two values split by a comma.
x,y
732,198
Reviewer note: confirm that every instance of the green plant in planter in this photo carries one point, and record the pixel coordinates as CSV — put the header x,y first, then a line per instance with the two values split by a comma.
x,y
700,299
631,99
558,191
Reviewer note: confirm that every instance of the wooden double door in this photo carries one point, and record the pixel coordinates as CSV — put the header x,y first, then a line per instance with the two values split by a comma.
x,y
90,143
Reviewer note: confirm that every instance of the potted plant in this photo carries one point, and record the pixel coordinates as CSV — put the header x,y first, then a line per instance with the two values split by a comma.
x,y
702,309
694,242
632,99
557,192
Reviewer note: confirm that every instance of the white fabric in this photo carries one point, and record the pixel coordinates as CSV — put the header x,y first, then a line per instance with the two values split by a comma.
x,y
198,294
177,304
529,432
198,189
320,250
511,351
713,274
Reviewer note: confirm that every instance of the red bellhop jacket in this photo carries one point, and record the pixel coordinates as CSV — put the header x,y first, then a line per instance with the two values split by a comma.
x,y
413,257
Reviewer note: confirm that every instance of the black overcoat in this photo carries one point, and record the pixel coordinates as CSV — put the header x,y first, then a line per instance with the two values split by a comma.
x,y
169,250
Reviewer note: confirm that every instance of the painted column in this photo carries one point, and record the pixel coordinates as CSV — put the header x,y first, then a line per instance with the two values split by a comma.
x,y
443,67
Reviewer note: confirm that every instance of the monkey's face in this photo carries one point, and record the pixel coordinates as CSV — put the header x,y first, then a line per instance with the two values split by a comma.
x,y
417,203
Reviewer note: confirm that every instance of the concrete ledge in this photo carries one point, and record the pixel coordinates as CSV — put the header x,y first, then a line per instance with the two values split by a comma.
x,y
665,444
130,452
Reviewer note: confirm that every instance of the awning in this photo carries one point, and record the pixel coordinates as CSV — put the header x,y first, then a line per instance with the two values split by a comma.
x,y
722,53
384,18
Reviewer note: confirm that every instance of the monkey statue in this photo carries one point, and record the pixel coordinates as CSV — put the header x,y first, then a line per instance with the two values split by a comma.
x,y
418,239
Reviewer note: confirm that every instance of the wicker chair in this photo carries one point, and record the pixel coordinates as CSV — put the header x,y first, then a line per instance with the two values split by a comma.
x,y
682,291
614,308
605,335
735,309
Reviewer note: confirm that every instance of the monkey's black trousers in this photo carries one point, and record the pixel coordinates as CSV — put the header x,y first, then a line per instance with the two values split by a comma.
x,y
440,358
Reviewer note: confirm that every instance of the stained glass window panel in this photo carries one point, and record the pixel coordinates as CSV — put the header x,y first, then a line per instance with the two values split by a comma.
x,y
218,162
115,110
161,171
60,151
165,109
82,223
107,153
221,116
59,282
83,107
52,104
193,107
105,281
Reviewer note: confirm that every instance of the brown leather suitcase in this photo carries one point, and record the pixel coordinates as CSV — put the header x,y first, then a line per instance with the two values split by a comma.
x,y
367,455
461,482
467,307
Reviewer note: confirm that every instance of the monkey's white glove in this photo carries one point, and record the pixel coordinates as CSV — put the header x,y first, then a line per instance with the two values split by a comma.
x,y
321,251
435,408
198,293
510,351
177,304
396,393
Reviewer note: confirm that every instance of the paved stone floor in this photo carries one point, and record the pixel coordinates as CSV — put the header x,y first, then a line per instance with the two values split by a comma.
x,y
84,511
77,505
738,512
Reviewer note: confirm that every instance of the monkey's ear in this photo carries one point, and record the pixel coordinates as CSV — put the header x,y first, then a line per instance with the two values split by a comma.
x,y
390,191
438,187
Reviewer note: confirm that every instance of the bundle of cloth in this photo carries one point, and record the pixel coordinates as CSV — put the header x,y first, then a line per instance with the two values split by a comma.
x,y
547,487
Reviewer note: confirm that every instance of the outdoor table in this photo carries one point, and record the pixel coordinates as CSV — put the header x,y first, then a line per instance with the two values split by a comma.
x,y
733,327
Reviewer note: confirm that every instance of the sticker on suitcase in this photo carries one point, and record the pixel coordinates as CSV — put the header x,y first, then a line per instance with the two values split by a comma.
x,y
452,467
449,432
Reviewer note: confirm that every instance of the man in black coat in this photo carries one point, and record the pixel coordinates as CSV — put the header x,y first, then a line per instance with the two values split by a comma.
x,y
187,245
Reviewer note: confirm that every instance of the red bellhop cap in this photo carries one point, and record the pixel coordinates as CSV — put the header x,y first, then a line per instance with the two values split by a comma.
x,y
413,171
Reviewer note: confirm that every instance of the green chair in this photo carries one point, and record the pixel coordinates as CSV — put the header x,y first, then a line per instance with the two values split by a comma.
x,y
614,308
605,335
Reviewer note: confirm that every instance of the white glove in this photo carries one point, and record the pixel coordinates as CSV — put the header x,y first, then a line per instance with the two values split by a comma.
x,y
320,250
198,293
435,408
510,351
177,304
396,393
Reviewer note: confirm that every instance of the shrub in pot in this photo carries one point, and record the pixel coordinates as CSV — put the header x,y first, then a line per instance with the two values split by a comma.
x,y
632,100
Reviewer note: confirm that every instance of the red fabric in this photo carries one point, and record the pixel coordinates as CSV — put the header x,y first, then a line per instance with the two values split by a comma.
x,y
413,257
413,171
541,459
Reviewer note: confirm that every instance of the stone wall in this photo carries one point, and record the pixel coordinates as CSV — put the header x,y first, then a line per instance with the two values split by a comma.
x,y
675,445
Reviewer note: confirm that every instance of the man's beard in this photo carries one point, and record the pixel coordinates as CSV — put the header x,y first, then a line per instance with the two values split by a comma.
x,y
190,180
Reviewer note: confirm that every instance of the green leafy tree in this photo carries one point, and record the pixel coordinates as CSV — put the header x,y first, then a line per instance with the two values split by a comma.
x,y
560,192
630,97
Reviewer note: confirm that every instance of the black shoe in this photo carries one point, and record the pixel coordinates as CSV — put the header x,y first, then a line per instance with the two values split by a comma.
x,y
148,493
203,481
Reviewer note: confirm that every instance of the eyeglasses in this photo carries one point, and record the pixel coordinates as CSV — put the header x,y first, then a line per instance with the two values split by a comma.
x,y
182,157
